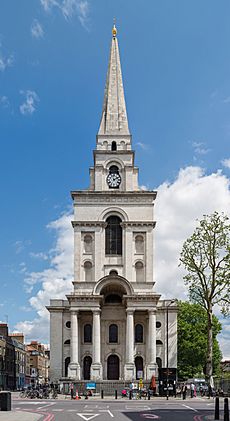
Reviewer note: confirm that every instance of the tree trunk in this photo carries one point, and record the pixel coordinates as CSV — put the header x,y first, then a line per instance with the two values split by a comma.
x,y
210,345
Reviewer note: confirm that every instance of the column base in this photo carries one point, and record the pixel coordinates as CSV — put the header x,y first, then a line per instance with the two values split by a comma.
x,y
129,372
74,371
151,370
96,371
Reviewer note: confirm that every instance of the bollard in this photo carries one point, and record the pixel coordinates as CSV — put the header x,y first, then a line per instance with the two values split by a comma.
x,y
130,394
115,394
102,394
226,411
5,401
217,409
148,395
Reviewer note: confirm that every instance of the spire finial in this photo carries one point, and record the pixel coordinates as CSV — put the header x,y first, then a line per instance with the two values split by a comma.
x,y
114,30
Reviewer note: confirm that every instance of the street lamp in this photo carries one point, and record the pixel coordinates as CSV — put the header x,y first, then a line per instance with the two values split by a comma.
x,y
167,345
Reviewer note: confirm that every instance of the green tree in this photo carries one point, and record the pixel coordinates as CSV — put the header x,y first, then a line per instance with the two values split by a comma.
x,y
192,341
206,257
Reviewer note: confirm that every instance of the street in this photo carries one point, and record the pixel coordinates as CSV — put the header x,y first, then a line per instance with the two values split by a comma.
x,y
196,409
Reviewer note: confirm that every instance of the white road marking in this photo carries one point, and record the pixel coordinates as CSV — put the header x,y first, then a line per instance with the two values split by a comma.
x,y
58,410
46,406
189,407
107,410
87,417
144,407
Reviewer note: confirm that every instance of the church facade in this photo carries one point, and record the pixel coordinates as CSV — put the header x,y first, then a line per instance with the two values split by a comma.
x,y
113,325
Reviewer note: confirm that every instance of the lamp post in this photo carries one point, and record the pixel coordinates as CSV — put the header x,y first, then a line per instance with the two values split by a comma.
x,y
167,346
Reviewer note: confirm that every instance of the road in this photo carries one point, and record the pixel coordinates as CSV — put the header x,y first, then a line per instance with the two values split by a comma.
x,y
197,409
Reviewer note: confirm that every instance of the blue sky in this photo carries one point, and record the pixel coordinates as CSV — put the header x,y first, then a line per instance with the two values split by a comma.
x,y
53,60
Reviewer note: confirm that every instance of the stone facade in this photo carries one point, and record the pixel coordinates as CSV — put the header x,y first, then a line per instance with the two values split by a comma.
x,y
113,325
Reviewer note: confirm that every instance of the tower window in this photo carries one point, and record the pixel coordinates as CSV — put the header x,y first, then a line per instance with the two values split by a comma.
x,y
113,236
113,333
114,146
87,333
88,271
139,333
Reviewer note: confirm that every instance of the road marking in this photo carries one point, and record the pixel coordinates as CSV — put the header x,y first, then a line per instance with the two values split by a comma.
x,y
144,407
107,410
46,405
87,417
150,416
189,407
59,410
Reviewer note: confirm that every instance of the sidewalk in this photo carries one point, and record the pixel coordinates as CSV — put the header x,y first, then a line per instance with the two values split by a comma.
x,y
19,416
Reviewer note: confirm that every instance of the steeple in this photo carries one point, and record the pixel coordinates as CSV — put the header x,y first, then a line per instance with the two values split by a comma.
x,y
114,117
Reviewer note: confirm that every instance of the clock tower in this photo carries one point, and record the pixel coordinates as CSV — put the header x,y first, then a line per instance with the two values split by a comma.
x,y
113,325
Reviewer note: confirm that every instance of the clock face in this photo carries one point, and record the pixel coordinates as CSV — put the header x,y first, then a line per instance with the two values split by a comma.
x,y
114,180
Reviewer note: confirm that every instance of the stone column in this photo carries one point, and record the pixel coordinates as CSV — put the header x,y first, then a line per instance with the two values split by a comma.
x,y
96,367
152,366
129,364
74,367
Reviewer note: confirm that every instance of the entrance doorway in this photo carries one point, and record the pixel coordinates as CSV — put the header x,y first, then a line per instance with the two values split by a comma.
x,y
113,370
86,367
139,367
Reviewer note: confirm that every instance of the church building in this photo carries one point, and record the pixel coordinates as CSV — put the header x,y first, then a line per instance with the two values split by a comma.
x,y
113,324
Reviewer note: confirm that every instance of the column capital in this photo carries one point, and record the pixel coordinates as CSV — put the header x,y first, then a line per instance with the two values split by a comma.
x,y
152,312
74,312
96,311
130,310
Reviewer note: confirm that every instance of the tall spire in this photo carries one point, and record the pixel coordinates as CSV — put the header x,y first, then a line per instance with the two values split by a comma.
x,y
114,117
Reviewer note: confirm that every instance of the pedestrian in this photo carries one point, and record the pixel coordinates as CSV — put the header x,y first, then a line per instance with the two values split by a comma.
x,y
192,388
71,390
210,391
184,391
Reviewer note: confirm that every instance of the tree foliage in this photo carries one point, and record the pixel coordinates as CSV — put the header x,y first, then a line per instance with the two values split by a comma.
x,y
206,258
192,341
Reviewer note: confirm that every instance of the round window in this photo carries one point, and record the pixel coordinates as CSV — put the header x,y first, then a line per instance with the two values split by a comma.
x,y
158,324
68,324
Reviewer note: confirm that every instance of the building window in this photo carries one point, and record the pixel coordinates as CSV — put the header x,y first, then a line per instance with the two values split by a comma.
x,y
88,243
88,333
139,272
114,146
113,333
67,342
68,324
67,361
113,236
159,342
159,362
139,333
88,271
139,244
158,325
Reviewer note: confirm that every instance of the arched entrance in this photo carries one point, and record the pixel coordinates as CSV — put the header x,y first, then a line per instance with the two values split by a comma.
x,y
113,367
86,367
139,367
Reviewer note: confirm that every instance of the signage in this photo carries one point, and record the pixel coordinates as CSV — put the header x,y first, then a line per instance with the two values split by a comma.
x,y
91,385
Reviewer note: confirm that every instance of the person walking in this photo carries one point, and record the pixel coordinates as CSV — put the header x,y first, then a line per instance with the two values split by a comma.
x,y
192,388
184,391
71,390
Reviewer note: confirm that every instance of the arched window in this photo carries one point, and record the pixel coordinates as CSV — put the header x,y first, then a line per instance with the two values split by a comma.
x,y
159,362
86,367
114,145
158,325
159,342
67,361
139,244
113,299
88,243
68,324
88,333
67,342
113,236
139,272
113,334
139,367
88,271
139,333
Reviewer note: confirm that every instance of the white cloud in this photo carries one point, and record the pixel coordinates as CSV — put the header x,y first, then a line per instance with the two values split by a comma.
x,y
5,61
28,107
226,163
178,204
40,255
4,101
69,8
200,148
36,29
142,145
